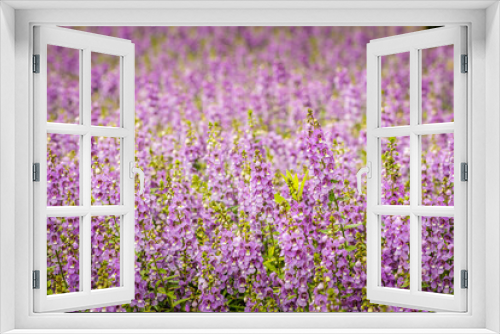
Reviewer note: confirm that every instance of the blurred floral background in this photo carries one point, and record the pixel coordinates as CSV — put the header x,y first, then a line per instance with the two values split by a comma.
x,y
250,139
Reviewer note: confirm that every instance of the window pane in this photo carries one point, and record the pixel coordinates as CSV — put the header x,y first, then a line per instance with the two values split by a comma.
x,y
437,254
63,85
63,241
395,243
63,170
395,95
438,170
395,176
105,89
437,84
105,252
105,171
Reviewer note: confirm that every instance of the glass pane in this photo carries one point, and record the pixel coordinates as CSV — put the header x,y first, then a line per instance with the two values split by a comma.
x,y
63,85
105,252
395,95
395,176
105,89
63,170
395,243
437,84
105,171
437,170
437,254
63,268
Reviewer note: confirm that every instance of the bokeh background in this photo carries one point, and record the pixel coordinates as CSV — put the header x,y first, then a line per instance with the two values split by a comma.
x,y
250,138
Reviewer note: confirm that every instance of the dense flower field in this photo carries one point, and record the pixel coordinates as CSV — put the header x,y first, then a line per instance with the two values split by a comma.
x,y
250,138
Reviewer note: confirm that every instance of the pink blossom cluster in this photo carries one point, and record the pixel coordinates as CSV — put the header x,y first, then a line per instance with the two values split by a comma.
x,y
250,139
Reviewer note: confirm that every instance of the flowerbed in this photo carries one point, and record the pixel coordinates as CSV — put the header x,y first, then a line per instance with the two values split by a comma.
x,y
250,139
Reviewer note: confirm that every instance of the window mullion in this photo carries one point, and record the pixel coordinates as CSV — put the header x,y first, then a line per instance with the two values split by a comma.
x,y
432,129
396,131
105,131
414,170
422,211
85,231
420,129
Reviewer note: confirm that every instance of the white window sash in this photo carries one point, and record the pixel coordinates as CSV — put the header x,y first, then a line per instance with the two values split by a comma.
x,y
85,43
413,43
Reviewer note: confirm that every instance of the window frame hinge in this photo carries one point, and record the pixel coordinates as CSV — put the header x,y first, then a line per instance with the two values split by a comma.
x,y
36,172
36,279
464,279
464,172
465,64
36,63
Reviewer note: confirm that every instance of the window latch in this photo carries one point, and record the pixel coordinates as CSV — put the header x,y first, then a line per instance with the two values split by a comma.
x,y
365,170
134,170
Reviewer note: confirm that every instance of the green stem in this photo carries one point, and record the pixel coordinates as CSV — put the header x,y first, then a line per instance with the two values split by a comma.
x,y
61,270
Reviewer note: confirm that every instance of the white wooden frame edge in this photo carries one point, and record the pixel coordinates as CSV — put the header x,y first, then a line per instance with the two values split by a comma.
x,y
7,166
475,319
86,43
413,44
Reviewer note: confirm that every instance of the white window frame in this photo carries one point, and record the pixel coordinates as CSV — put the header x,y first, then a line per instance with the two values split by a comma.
x,y
413,44
483,244
85,43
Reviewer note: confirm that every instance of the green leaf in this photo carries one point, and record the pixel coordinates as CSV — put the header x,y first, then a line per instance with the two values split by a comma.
x,y
234,209
161,270
316,257
162,290
347,227
324,231
331,196
177,302
283,176
270,251
270,266
406,283
301,189
296,182
170,277
350,248
278,198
